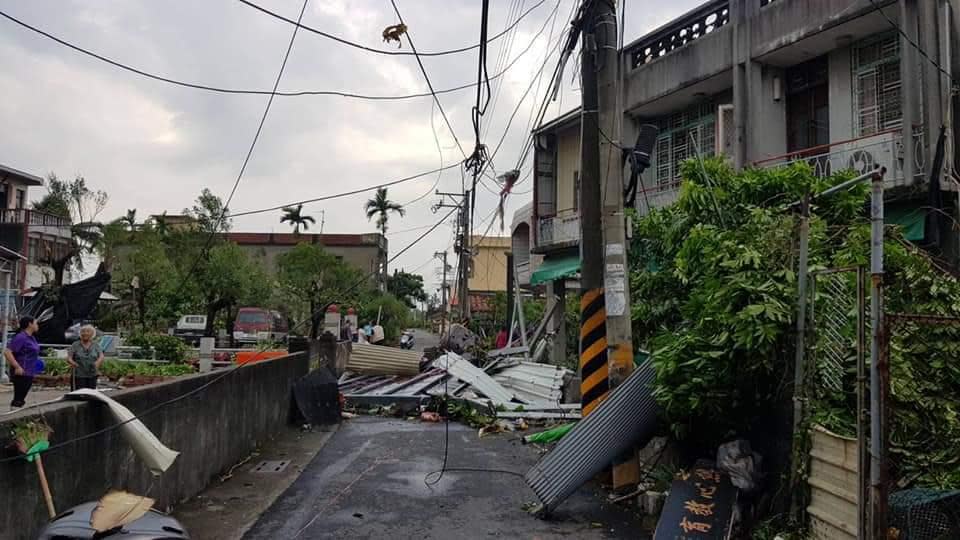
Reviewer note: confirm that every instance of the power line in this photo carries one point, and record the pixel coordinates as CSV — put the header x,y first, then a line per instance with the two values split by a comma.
x,y
344,194
382,51
909,40
427,78
241,91
229,372
246,160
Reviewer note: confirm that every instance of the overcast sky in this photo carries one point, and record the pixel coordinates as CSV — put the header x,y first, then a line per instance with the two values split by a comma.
x,y
153,146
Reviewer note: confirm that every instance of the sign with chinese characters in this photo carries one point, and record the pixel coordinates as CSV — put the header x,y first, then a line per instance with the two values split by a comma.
x,y
700,505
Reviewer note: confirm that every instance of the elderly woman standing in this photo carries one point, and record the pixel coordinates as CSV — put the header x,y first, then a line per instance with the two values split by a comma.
x,y
85,357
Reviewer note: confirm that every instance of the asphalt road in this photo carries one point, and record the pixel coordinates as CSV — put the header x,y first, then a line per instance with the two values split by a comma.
x,y
368,482
423,339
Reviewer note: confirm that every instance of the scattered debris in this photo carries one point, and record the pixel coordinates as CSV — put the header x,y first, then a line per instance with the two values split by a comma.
x,y
155,455
347,415
627,416
457,366
119,508
737,459
393,33
548,436
701,502
430,416
540,415
534,383
380,360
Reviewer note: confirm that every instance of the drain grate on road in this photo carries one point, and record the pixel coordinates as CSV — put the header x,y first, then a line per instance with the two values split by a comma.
x,y
270,466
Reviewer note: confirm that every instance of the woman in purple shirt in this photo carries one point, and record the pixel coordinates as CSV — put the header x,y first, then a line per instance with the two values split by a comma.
x,y
23,356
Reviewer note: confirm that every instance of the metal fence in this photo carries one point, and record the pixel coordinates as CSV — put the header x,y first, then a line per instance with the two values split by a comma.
x,y
918,354
836,377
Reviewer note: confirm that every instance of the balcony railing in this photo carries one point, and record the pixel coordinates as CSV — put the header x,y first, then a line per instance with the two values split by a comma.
x,y
680,32
884,149
35,218
558,230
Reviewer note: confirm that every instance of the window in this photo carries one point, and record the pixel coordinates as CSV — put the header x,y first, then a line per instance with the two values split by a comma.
x,y
876,80
682,136
576,191
21,198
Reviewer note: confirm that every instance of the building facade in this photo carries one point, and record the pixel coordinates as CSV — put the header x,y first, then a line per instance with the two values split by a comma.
x,y
40,237
836,83
488,271
365,252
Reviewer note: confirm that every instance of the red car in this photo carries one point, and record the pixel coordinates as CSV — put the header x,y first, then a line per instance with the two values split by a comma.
x,y
258,324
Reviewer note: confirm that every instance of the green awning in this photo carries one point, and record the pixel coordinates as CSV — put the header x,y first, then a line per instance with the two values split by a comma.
x,y
912,221
557,268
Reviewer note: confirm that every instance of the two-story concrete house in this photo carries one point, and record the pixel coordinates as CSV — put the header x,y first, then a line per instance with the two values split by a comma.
x,y
838,83
40,237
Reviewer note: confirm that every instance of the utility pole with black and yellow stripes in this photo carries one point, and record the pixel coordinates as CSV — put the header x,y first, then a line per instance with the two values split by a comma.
x,y
606,347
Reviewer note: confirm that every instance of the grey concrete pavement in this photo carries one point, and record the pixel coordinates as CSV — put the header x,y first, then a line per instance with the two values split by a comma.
x,y
368,482
423,339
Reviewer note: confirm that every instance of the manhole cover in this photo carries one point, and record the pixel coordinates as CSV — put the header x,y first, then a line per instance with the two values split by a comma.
x,y
270,466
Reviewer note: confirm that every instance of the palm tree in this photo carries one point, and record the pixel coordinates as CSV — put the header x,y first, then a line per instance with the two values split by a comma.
x,y
130,220
160,225
381,206
295,217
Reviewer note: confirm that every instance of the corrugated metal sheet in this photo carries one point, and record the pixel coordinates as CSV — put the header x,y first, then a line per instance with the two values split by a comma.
x,y
534,383
627,417
833,486
480,381
379,360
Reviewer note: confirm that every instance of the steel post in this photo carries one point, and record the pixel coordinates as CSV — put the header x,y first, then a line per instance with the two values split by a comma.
x,y
878,488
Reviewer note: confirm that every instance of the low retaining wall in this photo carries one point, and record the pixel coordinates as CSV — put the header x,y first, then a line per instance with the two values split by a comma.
x,y
212,430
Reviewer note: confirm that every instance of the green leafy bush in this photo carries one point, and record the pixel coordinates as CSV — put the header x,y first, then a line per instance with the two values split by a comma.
x,y
169,348
714,297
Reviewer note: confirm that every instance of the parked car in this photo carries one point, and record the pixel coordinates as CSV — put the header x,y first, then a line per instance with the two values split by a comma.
x,y
258,324
191,328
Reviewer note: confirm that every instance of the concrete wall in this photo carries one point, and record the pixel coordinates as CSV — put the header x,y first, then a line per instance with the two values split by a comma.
x,y
698,61
767,134
840,81
212,430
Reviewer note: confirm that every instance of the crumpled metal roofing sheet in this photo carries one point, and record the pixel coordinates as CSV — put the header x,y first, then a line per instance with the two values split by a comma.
x,y
457,366
625,418
534,383
380,360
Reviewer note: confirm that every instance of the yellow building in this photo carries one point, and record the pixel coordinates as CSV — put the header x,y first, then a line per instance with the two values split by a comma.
x,y
488,273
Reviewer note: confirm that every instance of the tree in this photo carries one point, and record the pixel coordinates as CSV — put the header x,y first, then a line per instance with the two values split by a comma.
x,y
150,279
408,288
381,207
211,215
309,277
160,225
295,217
224,278
75,201
130,219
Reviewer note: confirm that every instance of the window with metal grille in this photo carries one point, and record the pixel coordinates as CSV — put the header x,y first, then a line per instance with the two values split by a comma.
x,y
876,84
683,135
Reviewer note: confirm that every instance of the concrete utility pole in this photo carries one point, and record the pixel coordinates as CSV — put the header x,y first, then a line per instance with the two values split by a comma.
x,y
442,255
461,246
603,254
594,386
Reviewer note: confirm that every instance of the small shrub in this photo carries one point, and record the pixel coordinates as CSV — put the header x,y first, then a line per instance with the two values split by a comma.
x,y
169,348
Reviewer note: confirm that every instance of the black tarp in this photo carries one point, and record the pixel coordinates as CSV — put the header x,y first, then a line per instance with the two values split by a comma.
x,y
72,303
